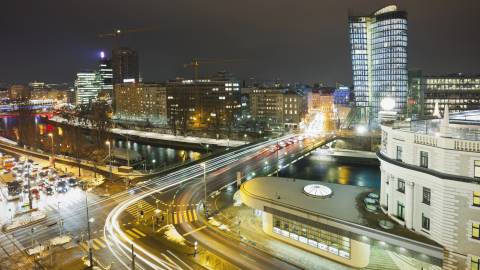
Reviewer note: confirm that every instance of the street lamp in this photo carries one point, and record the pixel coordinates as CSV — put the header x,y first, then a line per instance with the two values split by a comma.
x,y
153,163
89,220
204,165
53,158
109,156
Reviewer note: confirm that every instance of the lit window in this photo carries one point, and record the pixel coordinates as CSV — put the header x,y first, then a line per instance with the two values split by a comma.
x,y
476,198
476,231
426,195
425,222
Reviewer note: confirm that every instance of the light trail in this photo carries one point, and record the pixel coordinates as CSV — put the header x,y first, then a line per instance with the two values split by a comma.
x,y
112,228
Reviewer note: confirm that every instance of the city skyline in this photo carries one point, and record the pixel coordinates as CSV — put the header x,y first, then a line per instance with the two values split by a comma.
x,y
288,43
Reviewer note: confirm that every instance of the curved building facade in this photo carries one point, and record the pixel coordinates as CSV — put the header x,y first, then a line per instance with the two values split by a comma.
x,y
430,183
379,60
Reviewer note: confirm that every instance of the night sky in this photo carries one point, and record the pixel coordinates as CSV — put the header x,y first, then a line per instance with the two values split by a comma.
x,y
296,41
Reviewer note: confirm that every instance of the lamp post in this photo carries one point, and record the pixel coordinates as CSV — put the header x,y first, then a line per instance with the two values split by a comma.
x,y
204,165
51,139
153,164
89,220
109,156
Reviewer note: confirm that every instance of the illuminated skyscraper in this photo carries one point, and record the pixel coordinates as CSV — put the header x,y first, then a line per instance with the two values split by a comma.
x,y
87,87
379,60
106,73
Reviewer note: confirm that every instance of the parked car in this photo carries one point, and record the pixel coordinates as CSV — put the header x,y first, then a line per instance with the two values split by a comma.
x,y
62,187
72,182
35,193
48,190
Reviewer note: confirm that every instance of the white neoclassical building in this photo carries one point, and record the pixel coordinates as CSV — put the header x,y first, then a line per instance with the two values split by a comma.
x,y
430,182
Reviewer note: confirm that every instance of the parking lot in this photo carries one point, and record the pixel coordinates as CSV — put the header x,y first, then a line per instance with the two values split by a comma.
x,y
49,188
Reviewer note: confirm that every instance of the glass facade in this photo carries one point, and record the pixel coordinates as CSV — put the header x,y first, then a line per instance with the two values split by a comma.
x,y
312,236
379,60
87,87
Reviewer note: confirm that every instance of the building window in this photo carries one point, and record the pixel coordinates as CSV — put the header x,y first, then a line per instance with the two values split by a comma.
x,y
399,153
401,186
426,195
425,222
476,198
476,171
475,264
476,231
400,211
423,159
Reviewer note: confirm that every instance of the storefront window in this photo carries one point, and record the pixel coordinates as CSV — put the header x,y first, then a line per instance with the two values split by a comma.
x,y
315,237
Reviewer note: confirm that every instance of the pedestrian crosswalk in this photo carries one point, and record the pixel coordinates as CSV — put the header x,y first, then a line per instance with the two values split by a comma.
x,y
101,243
137,208
182,216
97,244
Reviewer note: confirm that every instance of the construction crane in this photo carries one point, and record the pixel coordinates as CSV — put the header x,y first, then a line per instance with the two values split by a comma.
x,y
118,33
195,64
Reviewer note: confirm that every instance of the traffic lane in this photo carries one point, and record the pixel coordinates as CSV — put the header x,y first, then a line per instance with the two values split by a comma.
x,y
233,251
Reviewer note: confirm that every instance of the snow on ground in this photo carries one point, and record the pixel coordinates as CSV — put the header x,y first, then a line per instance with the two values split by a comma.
x,y
159,136
237,200
60,240
172,235
36,250
218,224
24,220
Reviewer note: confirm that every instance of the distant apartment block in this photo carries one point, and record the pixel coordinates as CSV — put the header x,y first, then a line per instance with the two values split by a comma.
x,y
141,103
278,109
460,92
212,103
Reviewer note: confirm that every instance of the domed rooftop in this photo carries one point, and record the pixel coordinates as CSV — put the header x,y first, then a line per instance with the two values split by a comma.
x,y
318,191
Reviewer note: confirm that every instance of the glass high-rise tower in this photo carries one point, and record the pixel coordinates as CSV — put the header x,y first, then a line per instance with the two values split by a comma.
x,y
379,60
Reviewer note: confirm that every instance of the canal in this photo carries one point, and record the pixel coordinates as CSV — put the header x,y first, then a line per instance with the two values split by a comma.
x,y
320,167
153,156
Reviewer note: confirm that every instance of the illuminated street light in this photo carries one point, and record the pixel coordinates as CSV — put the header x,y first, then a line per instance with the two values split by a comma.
x,y
110,156
361,129
204,165
53,158
387,104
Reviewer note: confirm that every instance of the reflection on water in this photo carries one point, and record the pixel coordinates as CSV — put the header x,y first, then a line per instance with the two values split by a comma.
x,y
154,156
323,168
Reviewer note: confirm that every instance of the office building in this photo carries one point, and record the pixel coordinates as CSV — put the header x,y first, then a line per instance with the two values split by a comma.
x,y
106,74
35,85
379,61
205,104
459,91
87,87
18,92
277,109
125,65
430,173
141,103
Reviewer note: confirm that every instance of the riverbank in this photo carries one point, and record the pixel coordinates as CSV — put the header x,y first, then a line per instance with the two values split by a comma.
x,y
158,138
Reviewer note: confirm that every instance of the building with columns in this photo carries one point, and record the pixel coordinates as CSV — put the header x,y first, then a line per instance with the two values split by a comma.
x,y
430,182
